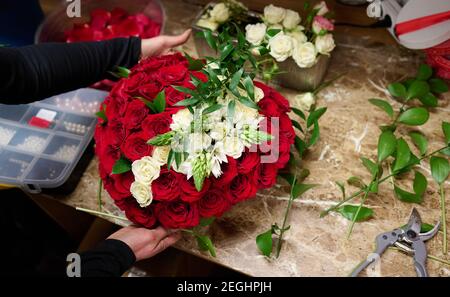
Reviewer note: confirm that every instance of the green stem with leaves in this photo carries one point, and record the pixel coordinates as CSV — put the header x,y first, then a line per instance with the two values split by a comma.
x,y
444,219
283,226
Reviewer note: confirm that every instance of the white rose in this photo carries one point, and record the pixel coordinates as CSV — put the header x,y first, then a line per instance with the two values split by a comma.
x,y
141,192
305,55
325,44
208,24
233,147
322,7
181,120
220,13
291,19
298,37
305,101
160,154
281,47
259,94
274,14
255,33
244,114
145,170
276,27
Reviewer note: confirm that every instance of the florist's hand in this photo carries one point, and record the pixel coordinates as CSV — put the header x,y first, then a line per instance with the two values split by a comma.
x,y
146,243
162,44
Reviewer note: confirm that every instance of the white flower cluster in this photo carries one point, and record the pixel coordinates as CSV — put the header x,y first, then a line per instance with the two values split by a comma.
x,y
145,171
291,41
219,14
216,135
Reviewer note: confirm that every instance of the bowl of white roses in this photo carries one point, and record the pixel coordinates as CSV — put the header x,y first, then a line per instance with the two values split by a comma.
x,y
293,48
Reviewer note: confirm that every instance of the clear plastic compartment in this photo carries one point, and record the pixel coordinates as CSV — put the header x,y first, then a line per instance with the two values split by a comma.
x,y
76,124
7,132
45,170
13,112
51,115
82,101
30,141
13,164
63,148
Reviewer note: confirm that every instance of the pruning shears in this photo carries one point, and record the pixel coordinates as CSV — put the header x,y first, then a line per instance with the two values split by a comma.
x,y
408,239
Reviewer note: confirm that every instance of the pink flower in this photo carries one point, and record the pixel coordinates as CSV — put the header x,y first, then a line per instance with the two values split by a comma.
x,y
321,23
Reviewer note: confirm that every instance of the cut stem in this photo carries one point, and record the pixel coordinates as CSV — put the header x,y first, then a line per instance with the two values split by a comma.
x,y
444,219
99,194
283,227
101,213
366,194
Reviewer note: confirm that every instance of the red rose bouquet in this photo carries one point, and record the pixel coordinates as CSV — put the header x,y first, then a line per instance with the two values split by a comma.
x,y
181,140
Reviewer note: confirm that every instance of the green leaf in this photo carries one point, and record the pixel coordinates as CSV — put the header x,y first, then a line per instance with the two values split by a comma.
x,y
315,116
212,108
314,135
121,72
187,102
371,166
420,184
161,139
205,244
446,130
297,125
349,212
424,72
178,159
440,169
183,90
356,182
194,64
300,145
288,177
247,102
299,113
341,186
236,78
159,103
300,189
170,159
415,116
397,90
437,85
230,109
102,115
429,100
272,32
446,151
419,141
417,89
121,166
249,87
206,221
210,39
226,51
265,243
147,103
403,154
386,145
384,105
406,196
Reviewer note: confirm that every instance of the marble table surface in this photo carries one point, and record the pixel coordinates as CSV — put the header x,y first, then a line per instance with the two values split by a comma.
x,y
317,246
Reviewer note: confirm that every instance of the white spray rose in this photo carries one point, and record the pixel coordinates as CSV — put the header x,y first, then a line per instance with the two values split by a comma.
x,y
325,44
208,24
305,55
322,7
291,19
275,27
255,33
281,47
181,120
305,101
298,37
141,192
145,170
220,13
274,14
160,154
259,94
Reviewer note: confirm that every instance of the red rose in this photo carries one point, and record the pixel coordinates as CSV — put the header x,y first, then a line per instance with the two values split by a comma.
x,y
229,171
153,29
173,96
243,187
215,202
248,162
135,146
188,191
118,14
166,187
116,132
177,214
267,175
283,103
284,152
149,65
99,18
108,156
156,124
286,128
135,114
134,83
270,108
118,185
138,215
174,74
149,91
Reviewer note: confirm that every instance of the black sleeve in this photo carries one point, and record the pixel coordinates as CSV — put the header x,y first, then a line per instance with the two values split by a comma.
x,y
110,258
36,72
